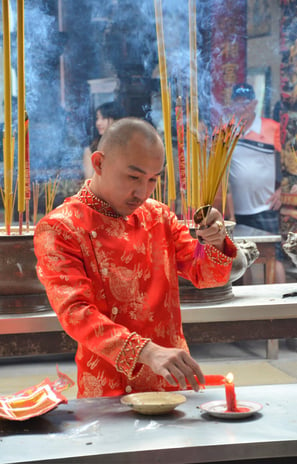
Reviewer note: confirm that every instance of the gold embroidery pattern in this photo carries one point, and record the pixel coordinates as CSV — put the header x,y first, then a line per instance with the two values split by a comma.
x,y
86,196
128,356
93,386
217,256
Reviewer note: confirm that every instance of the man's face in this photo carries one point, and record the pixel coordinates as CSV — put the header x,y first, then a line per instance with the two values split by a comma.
x,y
128,176
243,108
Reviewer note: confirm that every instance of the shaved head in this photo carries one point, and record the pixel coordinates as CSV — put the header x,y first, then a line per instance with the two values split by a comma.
x,y
127,164
122,131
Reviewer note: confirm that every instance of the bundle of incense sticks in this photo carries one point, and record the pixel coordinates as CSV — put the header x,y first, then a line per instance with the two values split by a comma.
x,y
214,155
12,203
50,190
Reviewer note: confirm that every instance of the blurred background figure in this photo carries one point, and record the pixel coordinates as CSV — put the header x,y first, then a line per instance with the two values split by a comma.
x,y
254,184
106,114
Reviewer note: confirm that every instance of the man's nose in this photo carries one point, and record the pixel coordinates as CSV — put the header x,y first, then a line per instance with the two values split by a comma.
x,y
141,190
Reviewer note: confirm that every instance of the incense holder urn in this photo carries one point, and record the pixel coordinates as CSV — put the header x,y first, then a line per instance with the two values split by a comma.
x,y
20,289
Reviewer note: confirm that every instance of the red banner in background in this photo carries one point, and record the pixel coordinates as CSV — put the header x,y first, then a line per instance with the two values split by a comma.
x,y
228,49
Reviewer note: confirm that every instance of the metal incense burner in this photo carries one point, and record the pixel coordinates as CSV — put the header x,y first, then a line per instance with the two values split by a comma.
x,y
20,289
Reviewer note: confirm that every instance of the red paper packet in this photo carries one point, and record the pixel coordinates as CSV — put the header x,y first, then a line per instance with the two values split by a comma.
x,y
35,401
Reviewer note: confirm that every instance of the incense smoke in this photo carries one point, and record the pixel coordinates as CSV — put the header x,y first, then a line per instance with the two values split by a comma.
x,y
102,39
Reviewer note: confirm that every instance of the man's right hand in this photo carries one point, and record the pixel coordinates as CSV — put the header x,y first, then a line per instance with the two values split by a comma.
x,y
175,365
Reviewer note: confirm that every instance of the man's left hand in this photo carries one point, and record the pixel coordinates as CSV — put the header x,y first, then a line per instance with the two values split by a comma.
x,y
215,232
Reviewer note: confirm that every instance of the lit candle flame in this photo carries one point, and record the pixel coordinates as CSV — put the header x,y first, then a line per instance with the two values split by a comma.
x,y
229,377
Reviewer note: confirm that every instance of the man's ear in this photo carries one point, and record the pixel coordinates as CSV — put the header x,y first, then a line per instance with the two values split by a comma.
x,y
97,158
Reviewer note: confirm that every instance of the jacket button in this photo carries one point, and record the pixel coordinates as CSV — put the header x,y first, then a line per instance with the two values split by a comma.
x,y
114,310
128,389
94,234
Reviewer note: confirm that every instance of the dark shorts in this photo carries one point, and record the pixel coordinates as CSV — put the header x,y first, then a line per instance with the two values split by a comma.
x,y
266,220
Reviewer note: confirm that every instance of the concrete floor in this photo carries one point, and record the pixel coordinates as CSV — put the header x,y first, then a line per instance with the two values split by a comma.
x,y
246,360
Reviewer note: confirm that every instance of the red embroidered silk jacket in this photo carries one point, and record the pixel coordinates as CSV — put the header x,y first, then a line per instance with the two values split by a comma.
x,y
113,283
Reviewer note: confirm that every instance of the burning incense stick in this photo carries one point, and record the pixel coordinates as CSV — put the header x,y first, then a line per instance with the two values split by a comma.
x,y
21,113
193,68
27,171
188,138
180,143
7,149
166,104
181,154
194,111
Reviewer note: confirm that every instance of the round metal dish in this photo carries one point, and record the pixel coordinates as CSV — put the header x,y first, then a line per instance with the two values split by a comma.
x,y
218,409
152,403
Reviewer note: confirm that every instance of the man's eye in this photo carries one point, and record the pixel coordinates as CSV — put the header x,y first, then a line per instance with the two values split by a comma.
x,y
133,177
153,180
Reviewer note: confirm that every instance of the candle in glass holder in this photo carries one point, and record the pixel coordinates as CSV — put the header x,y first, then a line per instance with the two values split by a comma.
x,y
230,393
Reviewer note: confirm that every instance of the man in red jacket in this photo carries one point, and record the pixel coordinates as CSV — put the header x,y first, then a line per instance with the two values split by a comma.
x,y
109,258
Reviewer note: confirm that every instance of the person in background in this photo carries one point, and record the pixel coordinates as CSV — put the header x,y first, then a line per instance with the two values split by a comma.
x,y
106,114
255,189
109,259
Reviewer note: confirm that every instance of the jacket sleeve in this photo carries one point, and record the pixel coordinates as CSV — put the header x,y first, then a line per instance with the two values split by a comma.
x,y
204,265
61,269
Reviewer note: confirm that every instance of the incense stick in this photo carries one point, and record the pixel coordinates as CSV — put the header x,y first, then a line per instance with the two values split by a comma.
x,y
8,171
166,102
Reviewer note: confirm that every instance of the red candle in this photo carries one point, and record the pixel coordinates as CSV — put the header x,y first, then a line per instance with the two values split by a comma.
x,y
230,393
